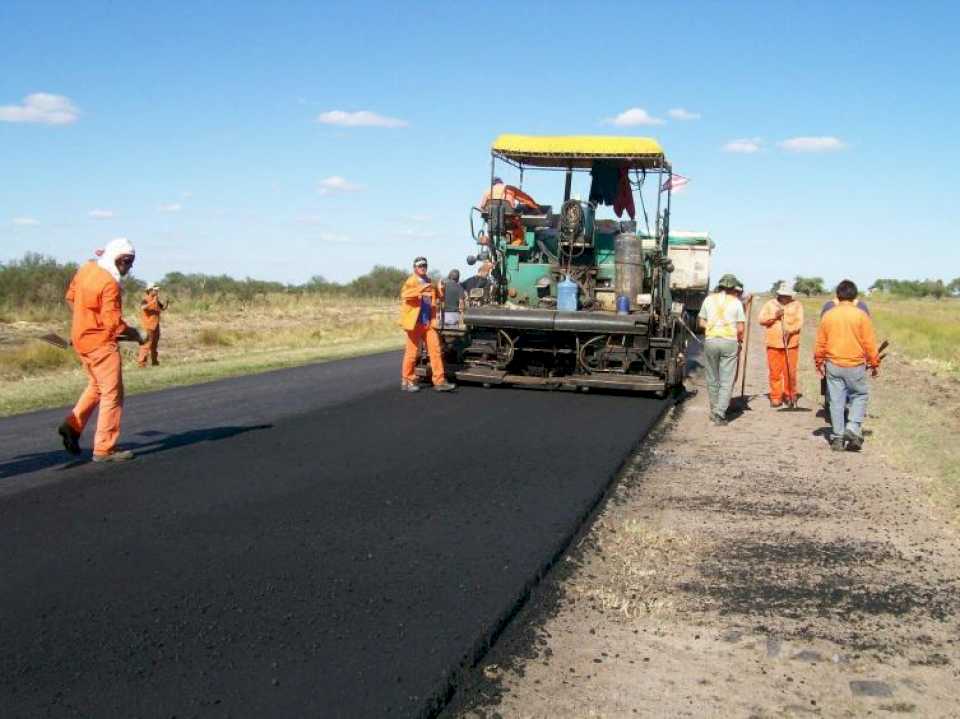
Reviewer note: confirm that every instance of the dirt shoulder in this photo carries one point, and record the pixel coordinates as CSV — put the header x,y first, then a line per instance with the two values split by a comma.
x,y
744,571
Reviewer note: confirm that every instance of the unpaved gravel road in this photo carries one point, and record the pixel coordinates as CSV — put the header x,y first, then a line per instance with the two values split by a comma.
x,y
745,571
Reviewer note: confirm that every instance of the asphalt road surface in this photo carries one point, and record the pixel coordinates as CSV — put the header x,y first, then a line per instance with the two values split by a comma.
x,y
307,542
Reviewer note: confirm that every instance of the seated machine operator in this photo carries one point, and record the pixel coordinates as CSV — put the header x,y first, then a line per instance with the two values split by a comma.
x,y
515,199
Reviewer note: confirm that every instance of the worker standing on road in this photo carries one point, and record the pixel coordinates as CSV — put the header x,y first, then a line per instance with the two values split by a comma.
x,y
453,300
723,320
783,319
419,300
94,296
150,309
846,347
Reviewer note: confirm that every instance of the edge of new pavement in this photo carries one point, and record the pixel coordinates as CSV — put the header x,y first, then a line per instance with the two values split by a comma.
x,y
435,705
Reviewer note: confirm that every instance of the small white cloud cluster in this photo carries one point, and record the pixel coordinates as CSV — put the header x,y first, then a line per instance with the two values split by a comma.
x,y
335,184
42,108
633,117
636,116
679,113
100,214
362,118
750,145
745,145
171,207
25,221
812,144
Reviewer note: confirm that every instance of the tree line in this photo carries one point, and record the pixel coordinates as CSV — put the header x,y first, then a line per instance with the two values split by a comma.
x,y
937,289
40,280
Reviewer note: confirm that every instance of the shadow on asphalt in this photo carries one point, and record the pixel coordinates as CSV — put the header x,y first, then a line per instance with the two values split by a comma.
x,y
155,441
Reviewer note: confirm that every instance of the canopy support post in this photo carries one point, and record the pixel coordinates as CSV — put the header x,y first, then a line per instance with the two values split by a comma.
x,y
568,184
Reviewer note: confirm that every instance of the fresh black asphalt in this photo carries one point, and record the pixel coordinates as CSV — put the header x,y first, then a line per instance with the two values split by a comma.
x,y
306,542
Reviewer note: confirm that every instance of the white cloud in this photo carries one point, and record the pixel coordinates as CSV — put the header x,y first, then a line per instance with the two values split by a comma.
x,y
171,207
419,218
363,118
43,108
100,214
745,145
634,116
25,221
337,184
811,144
679,113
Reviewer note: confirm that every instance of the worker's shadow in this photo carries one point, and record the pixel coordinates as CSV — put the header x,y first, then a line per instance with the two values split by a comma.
x,y
155,442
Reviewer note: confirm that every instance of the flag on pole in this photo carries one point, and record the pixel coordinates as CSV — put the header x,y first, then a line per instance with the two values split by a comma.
x,y
674,182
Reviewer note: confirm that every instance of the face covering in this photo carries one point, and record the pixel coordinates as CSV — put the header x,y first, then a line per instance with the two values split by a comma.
x,y
107,257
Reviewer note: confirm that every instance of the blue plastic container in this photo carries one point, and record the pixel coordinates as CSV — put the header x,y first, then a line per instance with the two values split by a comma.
x,y
567,291
623,305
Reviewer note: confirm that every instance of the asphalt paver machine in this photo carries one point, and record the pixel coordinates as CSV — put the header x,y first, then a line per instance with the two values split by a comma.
x,y
572,300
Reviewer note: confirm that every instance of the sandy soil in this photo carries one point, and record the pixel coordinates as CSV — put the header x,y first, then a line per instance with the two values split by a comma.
x,y
743,571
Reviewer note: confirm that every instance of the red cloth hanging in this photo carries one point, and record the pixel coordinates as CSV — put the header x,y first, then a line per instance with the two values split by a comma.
x,y
624,198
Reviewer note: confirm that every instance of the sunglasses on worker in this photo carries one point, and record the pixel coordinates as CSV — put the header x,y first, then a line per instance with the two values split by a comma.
x,y
125,259
421,264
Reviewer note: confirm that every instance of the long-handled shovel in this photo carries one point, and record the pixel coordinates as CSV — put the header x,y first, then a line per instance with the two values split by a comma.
x,y
791,403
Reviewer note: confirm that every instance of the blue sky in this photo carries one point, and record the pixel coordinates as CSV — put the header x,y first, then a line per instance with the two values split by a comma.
x,y
197,129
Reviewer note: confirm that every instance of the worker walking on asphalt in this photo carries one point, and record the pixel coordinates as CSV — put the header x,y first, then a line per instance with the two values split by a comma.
x,y
150,309
846,347
419,300
783,318
723,320
94,297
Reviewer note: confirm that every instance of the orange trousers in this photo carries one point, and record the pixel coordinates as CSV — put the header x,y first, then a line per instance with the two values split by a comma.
x,y
149,349
104,388
777,359
411,350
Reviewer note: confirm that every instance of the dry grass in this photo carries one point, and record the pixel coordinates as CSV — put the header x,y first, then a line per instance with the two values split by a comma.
x,y
639,561
202,340
33,358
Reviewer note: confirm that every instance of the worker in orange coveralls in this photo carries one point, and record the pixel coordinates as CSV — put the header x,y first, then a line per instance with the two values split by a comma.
x,y
150,309
783,318
94,296
419,300
516,199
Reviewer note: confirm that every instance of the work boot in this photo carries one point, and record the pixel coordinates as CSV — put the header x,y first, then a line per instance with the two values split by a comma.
x,y
117,455
854,439
70,437
719,421
836,444
444,387
409,387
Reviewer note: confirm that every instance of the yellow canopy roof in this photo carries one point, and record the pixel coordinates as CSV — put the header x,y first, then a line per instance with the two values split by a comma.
x,y
578,150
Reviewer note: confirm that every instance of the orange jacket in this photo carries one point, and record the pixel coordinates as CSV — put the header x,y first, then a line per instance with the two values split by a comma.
x,y
413,288
513,195
150,309
846,338
792,319
97,314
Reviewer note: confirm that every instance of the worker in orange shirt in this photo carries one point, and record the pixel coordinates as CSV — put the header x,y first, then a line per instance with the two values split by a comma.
x,y
516,199
846,347
419,300
94,297
150,309
783,318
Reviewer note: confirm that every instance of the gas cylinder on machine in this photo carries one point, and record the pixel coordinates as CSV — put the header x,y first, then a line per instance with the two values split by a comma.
x,y
567,291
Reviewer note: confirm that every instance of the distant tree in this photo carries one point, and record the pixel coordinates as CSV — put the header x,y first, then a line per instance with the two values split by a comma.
x,y
381,281
808,285
953,287
775,286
